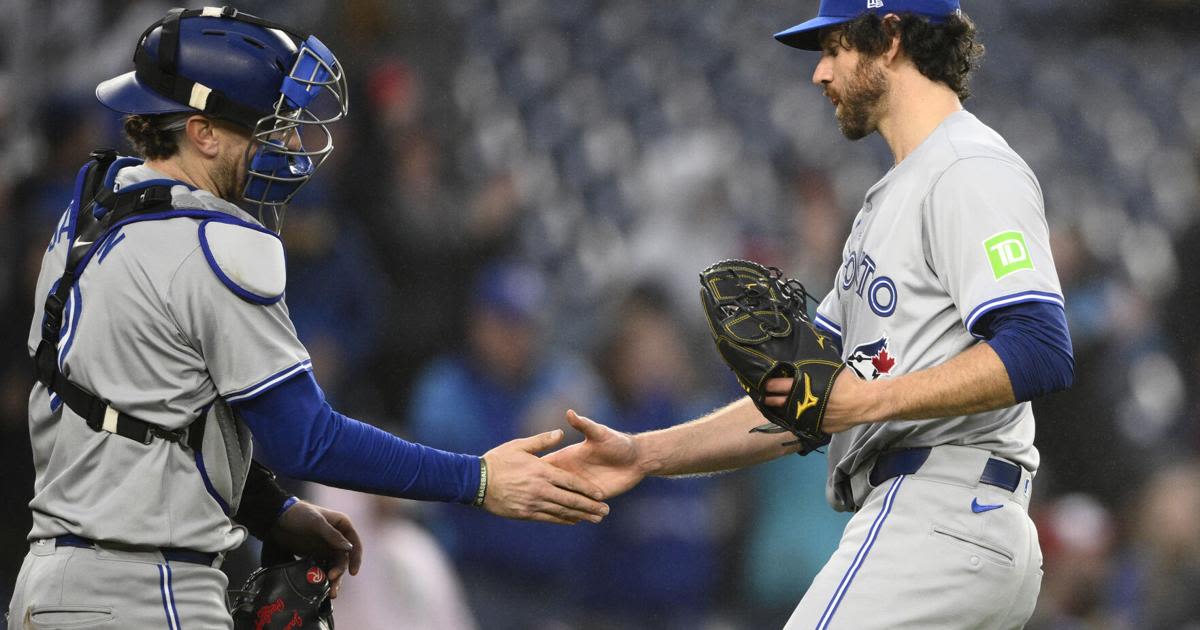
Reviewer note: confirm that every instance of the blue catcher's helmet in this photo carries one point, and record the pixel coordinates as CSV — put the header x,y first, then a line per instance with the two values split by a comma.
x,y
283,87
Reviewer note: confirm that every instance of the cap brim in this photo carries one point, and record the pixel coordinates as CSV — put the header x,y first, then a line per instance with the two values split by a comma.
x,y
806,35
128,95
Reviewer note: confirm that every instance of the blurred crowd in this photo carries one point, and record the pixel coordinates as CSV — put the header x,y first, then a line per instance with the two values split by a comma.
x,y
512,224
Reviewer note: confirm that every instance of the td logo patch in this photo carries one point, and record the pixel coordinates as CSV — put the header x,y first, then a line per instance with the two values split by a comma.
x,y
1007,253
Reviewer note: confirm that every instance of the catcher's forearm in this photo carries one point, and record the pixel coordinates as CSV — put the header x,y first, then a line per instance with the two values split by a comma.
x,y
718,441
974,381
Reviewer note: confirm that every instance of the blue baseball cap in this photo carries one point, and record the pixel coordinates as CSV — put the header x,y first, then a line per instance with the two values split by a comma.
x,y
513,290
805,35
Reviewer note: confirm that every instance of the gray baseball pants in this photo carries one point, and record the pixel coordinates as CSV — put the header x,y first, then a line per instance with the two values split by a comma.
x,y
103,588
931,550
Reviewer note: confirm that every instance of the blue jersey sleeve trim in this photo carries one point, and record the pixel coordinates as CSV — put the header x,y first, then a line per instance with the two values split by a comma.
x,y
238,290
299,435
269,383
828,326
1009,300
266,384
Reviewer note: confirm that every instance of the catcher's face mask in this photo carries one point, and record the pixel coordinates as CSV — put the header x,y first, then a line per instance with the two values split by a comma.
x,y
291,143
282,86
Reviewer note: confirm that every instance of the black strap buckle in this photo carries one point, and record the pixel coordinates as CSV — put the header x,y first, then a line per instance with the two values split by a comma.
x,y
52,318
155,431
103,155
152,196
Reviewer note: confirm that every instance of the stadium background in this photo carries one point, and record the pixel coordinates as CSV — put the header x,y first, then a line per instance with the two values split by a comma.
x,y
565,151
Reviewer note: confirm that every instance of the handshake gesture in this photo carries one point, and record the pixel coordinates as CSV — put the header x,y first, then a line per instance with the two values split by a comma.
x,y
523,486
566,486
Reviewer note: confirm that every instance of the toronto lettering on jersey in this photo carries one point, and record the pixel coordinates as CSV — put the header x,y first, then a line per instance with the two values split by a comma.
x,y
858,274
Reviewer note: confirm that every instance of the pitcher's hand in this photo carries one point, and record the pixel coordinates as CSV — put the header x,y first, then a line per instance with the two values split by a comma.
x,y
607,458
523,486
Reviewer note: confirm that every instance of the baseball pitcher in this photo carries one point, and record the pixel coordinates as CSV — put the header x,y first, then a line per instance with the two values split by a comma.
x,y
948,315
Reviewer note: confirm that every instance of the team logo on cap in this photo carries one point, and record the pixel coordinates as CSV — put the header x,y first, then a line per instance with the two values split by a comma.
x,y
872,360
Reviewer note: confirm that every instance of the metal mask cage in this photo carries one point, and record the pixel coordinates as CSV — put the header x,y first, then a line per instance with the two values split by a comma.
x,y
280,137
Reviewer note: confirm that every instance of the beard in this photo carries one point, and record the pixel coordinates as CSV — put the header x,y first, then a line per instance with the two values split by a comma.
x,y
230,178
858,114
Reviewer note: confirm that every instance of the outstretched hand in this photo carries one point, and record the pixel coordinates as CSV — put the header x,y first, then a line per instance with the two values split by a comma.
x,y
606,458
323,534
522,486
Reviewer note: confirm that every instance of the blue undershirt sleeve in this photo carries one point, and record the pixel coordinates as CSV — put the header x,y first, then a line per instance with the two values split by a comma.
x,y
299,435
1032,340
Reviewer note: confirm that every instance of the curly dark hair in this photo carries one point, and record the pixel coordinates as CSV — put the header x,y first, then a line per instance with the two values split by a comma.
x,y
155,136
945,52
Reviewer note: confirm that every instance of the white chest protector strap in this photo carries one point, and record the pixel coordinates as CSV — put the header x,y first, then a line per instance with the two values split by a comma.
x,y
248,259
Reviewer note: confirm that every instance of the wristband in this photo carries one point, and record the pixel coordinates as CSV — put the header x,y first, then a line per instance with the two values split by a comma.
x,y
483,479
287,504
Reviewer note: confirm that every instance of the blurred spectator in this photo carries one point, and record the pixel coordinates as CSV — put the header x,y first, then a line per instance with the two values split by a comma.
x,y
1164,559
338,299
791,533
16,488
408,581
656,562
1077,534
430,232
505,384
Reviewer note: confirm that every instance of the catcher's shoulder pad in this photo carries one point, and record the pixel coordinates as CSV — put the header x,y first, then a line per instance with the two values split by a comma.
x,y
247,259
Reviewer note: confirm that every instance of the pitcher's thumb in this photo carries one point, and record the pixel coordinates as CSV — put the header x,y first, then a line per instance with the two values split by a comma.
x,y
587,427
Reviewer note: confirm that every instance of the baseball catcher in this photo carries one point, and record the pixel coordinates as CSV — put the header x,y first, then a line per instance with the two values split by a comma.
x,y
167,361
762,330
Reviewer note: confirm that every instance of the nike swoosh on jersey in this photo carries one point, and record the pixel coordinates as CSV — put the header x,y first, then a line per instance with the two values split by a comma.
x,y
977,508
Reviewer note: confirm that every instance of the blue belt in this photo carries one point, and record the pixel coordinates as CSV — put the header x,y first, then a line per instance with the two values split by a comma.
x,y
997,472
170,554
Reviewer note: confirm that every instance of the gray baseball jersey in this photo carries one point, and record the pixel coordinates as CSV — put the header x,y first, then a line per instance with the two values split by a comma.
x,y
955,230
170,320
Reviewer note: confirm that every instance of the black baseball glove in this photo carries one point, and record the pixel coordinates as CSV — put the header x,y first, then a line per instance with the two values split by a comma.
x,y
292,596
760,323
